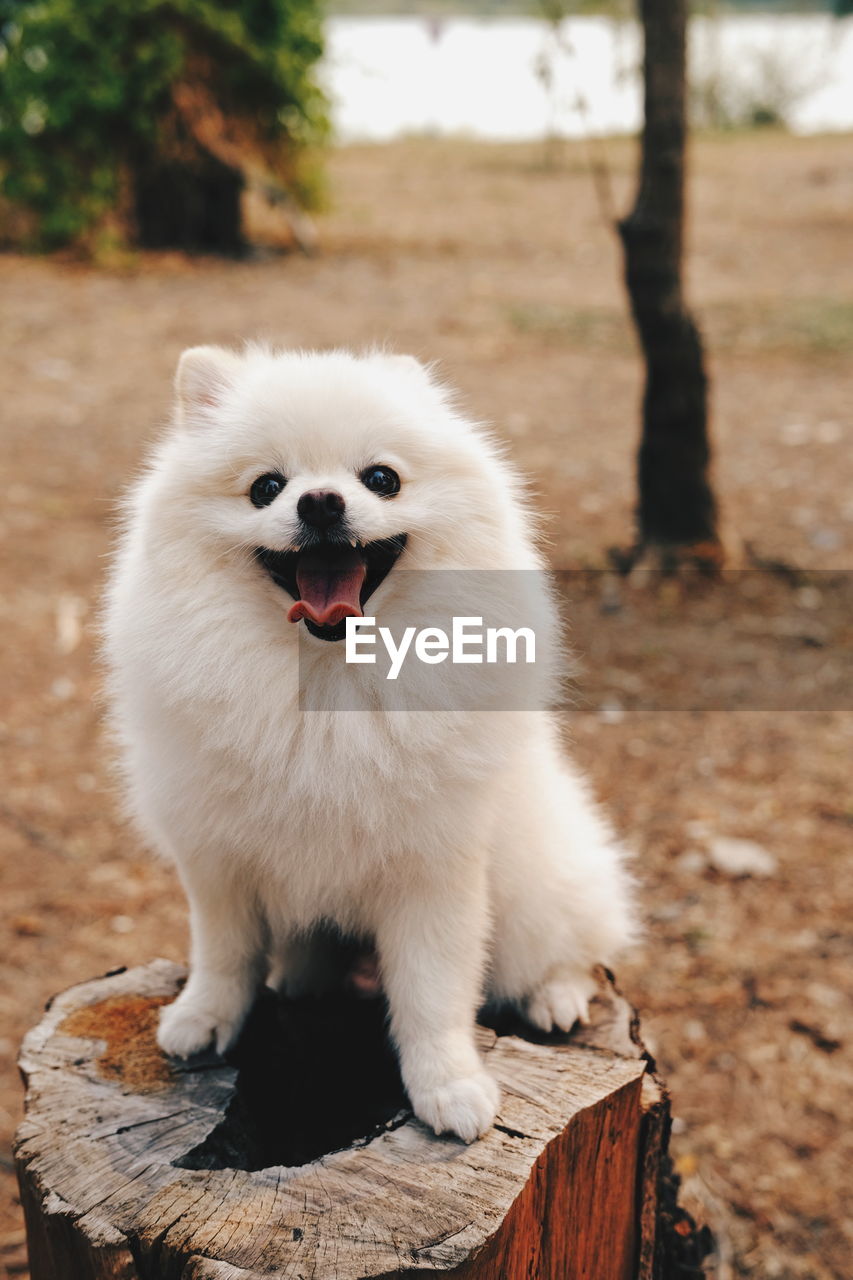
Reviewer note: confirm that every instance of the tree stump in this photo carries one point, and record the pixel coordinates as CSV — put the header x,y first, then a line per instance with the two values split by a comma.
x,y
297,1157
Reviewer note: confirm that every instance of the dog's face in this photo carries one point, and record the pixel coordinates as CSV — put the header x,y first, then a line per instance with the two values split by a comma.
x,y
330,470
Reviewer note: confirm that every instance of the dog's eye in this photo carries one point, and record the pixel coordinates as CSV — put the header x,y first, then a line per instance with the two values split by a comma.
x,y
267,488
381,480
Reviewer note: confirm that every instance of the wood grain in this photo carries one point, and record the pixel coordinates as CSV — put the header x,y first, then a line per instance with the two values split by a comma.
x,y
563,1186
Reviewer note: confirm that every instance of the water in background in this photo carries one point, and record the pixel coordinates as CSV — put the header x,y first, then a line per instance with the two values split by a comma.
x,y
515,78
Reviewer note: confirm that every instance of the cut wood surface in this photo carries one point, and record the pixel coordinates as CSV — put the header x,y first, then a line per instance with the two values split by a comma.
x,y
300,1159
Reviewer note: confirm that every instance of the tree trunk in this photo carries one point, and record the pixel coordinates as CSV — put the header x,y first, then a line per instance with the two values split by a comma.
x,y
676,508
299,1157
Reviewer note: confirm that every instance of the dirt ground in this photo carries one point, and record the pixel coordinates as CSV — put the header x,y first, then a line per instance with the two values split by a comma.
x,y
503,269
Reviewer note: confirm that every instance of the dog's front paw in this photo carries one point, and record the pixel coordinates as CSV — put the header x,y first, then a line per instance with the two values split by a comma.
x,y
466,1106
561,1002
186,1027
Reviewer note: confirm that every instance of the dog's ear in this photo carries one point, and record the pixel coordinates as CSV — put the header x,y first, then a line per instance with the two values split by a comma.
x,y
407,366
203,374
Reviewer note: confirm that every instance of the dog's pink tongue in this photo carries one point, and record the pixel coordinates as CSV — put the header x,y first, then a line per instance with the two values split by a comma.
x,y
329,586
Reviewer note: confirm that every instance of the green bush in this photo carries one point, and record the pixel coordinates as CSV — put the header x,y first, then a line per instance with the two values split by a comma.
x,y
96,93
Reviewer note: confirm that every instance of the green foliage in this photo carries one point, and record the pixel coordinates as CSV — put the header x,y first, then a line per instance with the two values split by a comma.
x,y
93,92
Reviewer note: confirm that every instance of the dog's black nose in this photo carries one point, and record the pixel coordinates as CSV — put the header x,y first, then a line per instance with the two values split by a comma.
x,y
321,508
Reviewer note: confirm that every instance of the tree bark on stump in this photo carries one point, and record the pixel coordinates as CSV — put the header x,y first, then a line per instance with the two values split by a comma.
x,y
298,1157
676,507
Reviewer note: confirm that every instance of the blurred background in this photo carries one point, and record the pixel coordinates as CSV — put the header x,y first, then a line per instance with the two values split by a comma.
x,y
446,177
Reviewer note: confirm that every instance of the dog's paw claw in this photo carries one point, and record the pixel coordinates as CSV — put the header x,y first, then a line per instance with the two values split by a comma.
x,y
561,1002
466,1106
185,1029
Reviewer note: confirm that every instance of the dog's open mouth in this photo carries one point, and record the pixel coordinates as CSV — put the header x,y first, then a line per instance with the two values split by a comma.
x,y
331,581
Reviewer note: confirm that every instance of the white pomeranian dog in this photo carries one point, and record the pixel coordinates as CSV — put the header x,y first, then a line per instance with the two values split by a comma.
x,y
294,491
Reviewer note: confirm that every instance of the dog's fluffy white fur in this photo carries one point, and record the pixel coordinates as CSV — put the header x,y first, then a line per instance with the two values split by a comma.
x,y
461,843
